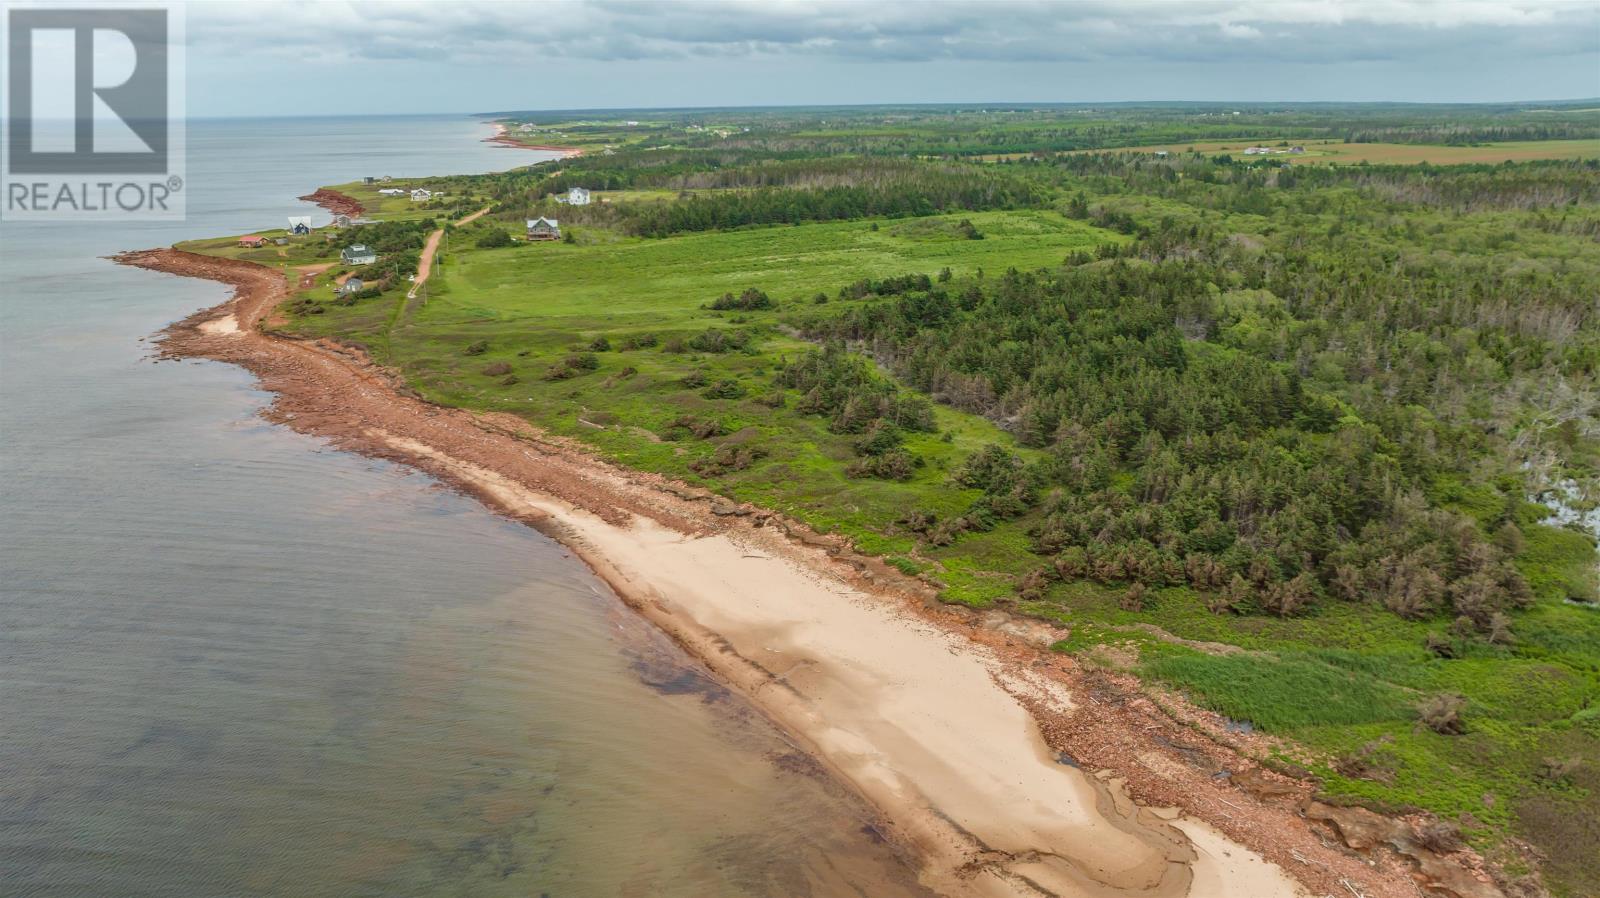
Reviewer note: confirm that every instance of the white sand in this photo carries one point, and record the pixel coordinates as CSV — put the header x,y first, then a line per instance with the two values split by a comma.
x,y
919,720
225,326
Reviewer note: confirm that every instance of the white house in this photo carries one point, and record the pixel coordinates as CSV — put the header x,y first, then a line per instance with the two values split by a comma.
x,y
543,229
391,191
577,196
358,254
351,285
299,225
420,194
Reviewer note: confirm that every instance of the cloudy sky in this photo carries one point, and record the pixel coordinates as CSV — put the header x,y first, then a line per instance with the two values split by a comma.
x,y
340,57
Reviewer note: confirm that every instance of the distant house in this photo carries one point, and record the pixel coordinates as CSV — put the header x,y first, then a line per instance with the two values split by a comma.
x,y
1162,153
281,241
252,241
1297,150
386,179
299,225
577,196
358,254
350,285
391,191
342,221
369,180
420,194
543,229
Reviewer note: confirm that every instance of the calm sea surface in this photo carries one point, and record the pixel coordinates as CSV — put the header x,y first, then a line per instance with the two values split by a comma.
x,y
234,662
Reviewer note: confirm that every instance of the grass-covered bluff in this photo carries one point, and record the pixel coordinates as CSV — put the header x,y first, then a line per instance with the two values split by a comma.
x,y
1309,413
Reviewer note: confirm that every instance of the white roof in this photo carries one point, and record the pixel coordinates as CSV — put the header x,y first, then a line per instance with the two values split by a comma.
x,y
550,221
297,220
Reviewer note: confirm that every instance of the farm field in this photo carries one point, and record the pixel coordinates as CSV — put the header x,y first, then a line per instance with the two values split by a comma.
x,y
1324,151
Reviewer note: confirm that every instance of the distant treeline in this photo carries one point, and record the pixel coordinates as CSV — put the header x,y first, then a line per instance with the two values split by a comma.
x,y
789,192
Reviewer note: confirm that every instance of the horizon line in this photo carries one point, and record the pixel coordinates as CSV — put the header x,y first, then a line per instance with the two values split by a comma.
x,y
926,104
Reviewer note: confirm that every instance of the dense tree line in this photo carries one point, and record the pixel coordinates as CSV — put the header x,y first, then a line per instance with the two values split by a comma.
x,y
927,191
1167,387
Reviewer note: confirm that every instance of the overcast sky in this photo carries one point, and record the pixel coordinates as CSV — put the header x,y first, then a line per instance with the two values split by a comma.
x,y
337,57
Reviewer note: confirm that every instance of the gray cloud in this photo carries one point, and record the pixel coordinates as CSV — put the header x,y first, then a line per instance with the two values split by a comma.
x,y
1241,31
411,56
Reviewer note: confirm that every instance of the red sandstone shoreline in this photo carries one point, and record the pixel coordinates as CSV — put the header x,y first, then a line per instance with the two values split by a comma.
x,y
1148,747
335,202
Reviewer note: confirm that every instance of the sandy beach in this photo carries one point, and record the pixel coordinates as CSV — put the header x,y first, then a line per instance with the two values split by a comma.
x,y
506,140
1008,770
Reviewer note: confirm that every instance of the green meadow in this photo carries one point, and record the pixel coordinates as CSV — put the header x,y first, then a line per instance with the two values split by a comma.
x,y
533,305
612,339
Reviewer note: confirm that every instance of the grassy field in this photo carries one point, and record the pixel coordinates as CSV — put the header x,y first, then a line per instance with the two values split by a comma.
x,y
1343,681
604,339
1325,151
534,305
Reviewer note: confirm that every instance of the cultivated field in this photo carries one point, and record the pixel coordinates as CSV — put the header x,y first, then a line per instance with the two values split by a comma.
x,y
1339,152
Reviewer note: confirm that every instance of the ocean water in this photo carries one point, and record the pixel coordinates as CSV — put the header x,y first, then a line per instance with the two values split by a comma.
x,y
234,662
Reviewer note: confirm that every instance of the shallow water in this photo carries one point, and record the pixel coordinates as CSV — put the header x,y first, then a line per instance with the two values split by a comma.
x,y
235,662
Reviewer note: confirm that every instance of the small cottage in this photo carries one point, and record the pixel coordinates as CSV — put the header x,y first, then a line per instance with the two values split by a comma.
x,y
358,254
299,225
253,241
420,194
542,228
349,287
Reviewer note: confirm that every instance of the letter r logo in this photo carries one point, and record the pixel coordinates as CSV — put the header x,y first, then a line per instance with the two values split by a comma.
x,y
73,87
